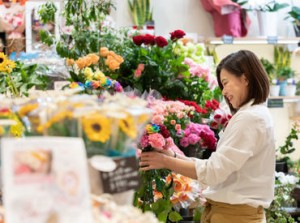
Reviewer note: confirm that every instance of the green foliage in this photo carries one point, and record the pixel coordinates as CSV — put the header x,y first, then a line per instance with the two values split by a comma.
x,y
140,11
281,68
294,14
276,213
87,22
144,196
23,78
47,12
288,146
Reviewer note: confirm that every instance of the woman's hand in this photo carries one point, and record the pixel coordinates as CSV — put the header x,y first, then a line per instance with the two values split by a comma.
x,y
152,160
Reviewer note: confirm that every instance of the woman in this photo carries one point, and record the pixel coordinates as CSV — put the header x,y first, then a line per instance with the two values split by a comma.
x,y
239,176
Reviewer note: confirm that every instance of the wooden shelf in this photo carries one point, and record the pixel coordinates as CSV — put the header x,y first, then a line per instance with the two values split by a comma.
x,y
253,40
287,98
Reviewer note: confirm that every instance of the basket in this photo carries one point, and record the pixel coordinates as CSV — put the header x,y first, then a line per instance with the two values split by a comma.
x,y
15,45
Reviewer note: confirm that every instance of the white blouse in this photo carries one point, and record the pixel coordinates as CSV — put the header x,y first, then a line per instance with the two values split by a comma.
x,y
242,170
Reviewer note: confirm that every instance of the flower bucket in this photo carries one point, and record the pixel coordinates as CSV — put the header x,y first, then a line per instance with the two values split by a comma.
x,y
274,90
297,30
282,91
267,28
290,90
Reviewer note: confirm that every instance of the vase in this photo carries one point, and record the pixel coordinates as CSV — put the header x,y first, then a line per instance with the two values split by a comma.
x,y
282,91
267,28
274,90
196,151
281,166
290,90
297,30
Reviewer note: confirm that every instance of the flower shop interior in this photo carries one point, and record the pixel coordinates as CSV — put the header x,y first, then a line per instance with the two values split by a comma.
x,y
86,86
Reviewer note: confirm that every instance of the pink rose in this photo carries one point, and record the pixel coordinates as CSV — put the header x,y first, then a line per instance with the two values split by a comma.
x,y
157,141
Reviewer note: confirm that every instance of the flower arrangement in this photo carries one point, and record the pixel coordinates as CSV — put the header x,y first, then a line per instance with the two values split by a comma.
x,y
200,137
186,191
155,62
85,72
16,78
109,128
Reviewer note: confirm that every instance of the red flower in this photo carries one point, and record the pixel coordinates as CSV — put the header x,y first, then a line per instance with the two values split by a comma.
x,y
161,41
138,40
164,131
192,103
177,34
149,39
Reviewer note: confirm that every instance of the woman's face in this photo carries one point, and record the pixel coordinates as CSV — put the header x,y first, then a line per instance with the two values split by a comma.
x,y
235,89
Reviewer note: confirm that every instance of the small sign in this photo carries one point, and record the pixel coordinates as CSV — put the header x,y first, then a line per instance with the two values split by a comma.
x,y
227,39
125,177
275,103
45,180
272,39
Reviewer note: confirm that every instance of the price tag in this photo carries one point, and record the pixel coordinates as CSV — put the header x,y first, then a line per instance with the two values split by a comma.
x,y
125,177
227,39
272,39
275,103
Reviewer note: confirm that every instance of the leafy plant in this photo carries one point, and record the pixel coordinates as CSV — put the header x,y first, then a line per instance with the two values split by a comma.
x,y
288,146
271,6
276,213
144,196
140,11
294,14
17,78
86,20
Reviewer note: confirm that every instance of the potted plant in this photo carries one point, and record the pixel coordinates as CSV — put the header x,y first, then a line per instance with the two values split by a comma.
x,y
140,12
266,12
283,162
273,80
294,15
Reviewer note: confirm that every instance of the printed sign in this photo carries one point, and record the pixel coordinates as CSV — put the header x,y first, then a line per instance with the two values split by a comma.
x,y
45,180
125,177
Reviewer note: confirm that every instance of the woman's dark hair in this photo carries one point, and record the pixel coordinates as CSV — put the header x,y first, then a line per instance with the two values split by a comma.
x,y
247,63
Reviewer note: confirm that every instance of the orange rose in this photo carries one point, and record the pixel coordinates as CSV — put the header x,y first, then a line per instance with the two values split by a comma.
x,y
103,51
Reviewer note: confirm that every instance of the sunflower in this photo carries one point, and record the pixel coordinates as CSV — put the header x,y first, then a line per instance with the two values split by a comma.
x,y
128,126
97,127
2,131
6,65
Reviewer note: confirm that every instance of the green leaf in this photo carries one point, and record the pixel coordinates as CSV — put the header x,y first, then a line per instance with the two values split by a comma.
x,y
163,216
174,216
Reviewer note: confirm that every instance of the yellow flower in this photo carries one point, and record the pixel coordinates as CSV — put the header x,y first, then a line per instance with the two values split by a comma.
x,y
6,65
26,109
17,129
88,73
2,131
128,126
98,75
143,118
97,127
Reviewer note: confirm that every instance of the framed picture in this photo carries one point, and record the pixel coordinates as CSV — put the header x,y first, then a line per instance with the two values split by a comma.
x,y
34,25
